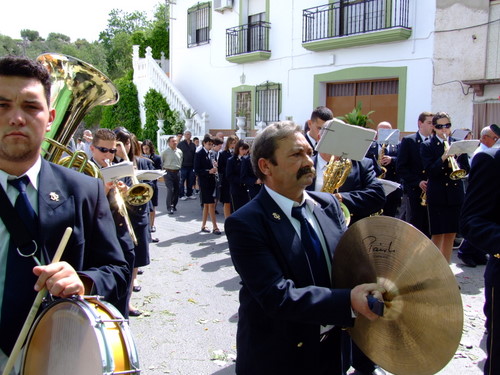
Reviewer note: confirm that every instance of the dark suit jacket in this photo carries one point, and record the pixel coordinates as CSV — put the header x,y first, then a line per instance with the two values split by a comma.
x,y
93,249
202,166
248,177
361,192
480,221
239,194
390,150
441,190
280,308
409,166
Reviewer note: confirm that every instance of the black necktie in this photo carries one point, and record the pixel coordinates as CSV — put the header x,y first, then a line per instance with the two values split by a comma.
x,y
312,245
18,295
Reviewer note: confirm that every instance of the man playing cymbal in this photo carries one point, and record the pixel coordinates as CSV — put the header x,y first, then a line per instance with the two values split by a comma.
x,y
282,245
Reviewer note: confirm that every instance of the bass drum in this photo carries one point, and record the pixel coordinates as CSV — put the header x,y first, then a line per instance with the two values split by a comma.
x,y
80,336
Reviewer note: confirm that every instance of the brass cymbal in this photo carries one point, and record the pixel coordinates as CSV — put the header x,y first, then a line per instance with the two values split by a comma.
x,y
423,317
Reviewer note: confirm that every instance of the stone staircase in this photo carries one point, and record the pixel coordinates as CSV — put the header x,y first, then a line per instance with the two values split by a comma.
x,y
149,75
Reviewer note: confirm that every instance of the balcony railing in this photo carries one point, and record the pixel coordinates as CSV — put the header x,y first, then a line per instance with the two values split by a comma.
x,y
248,38
349,17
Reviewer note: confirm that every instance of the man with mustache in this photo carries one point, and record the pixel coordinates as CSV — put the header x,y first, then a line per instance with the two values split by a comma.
x,y
282,244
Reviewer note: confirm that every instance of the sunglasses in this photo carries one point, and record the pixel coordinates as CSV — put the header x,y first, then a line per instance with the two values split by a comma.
x,y
105,149
441,126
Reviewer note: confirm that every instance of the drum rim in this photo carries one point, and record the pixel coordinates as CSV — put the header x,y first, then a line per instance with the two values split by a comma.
x,y
107,356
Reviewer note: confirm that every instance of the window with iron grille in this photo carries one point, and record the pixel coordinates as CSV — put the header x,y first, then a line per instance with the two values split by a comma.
x,y
199,24
267,96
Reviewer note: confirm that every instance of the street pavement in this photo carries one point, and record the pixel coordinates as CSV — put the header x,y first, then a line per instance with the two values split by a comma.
x,y
189,300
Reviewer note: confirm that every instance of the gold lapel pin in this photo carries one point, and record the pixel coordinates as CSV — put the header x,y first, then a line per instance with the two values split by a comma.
x,y
276,216
54,196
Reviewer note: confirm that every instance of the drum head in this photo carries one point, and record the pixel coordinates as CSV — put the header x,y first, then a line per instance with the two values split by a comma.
x,y
64,341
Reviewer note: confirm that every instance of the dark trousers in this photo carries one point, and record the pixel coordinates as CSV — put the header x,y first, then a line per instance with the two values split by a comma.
x,y
467,249
416,214
187,177
492,364
172,184
392,203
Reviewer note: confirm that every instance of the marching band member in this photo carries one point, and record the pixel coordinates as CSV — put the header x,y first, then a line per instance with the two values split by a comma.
x,y
93,262
480,225
139,215
284,302
445,195
103,149
413,174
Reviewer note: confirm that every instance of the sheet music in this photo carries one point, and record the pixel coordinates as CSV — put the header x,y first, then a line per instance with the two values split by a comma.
x,y
460,134
348,141
149,175
388,136
389,186
117,171
463,147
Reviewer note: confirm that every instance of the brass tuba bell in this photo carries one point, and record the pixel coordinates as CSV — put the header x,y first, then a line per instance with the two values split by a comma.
x,y
76,88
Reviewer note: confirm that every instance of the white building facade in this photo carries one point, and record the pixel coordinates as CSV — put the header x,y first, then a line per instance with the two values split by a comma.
x,y
272,60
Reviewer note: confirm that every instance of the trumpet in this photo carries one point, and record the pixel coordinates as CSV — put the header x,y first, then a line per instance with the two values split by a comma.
x,y
122,208
139,193
457,173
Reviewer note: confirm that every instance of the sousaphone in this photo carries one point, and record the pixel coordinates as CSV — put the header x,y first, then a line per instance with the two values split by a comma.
x,y
421,326
76,88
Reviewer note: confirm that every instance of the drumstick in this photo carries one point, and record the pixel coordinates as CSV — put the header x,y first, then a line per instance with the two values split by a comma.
x,y
34,308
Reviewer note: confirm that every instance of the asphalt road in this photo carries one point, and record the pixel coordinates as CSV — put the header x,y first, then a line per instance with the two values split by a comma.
x,y
189,300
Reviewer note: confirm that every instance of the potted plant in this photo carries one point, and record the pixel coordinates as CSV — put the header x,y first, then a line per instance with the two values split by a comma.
x,y
160,118
356,117
189,114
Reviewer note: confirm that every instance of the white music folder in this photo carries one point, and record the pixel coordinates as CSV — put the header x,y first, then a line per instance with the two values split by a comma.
x,y
117,171
344,140
388,136
463,147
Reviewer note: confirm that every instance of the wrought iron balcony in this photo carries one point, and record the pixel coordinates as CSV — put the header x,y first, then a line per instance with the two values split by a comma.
x,y
248,39
353,17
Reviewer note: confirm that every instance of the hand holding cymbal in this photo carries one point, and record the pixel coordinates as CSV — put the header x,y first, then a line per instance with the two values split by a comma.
x,y
422,321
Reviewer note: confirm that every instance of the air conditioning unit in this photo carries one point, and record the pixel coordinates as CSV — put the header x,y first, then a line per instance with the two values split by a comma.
x,y
222,5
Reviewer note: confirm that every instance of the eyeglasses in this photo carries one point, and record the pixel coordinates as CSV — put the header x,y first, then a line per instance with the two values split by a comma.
x,y
441,126
105,149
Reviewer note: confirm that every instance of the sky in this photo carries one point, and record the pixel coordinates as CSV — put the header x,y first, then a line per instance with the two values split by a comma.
x,y
84,20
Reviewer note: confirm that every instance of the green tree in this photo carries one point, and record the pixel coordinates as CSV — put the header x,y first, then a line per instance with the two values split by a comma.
x,y
126,112
155,104
59,36
30,35
117,40
9,46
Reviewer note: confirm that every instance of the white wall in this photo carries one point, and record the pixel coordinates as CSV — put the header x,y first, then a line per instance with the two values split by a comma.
x,y
206,78
459,54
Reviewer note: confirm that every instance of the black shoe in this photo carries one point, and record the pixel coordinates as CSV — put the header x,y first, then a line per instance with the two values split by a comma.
x,y
170,212
467,261
481,259
137,288
152,229
155,239
134,313
140,271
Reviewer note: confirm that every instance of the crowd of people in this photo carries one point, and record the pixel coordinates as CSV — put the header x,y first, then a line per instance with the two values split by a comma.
x,y
281,224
